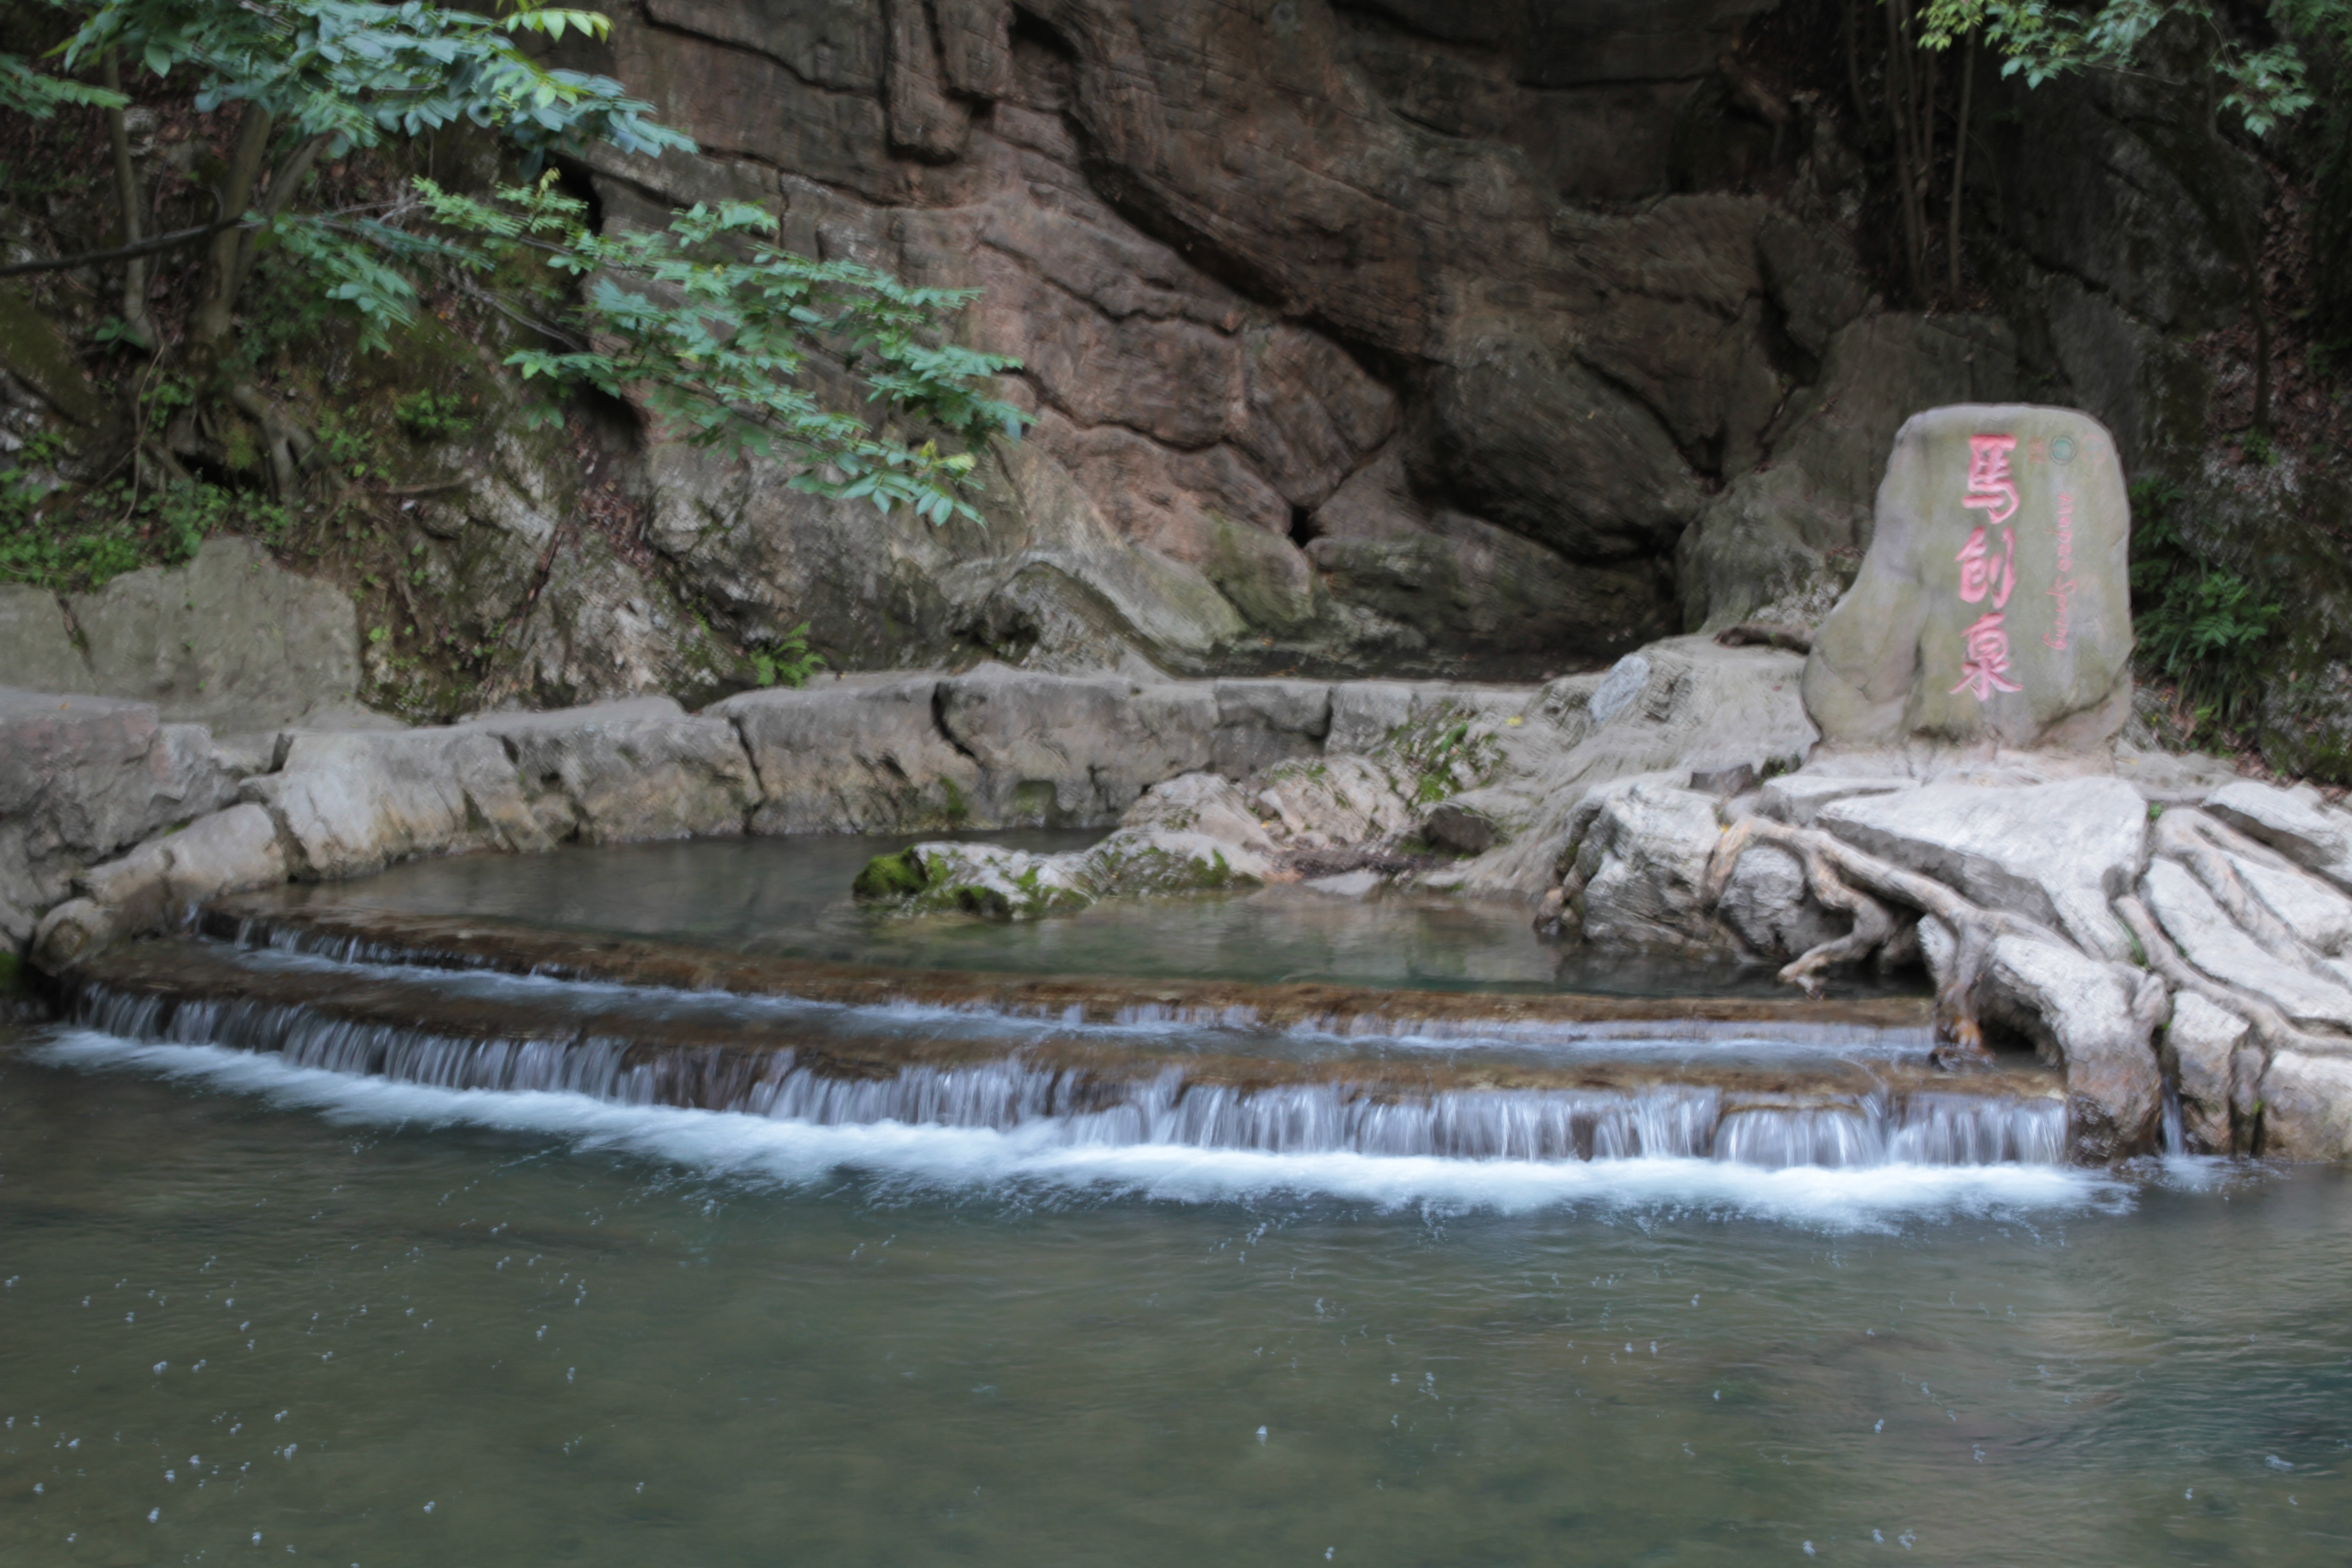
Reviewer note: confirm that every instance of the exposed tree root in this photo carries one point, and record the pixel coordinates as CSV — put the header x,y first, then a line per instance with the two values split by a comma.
x,y
2181,834
1843,878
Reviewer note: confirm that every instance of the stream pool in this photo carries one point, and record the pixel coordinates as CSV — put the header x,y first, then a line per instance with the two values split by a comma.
x,y
255,1310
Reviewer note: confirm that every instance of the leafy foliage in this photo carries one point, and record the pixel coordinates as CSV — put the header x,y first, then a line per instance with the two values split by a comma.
x,y
787,661
354,73
115,529
2041,40
431,416
713,328
2199,625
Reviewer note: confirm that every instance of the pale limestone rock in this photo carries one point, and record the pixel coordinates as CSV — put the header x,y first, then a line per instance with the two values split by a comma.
x,y
1685,705
1134,862
1334,801
231,640
2209,940
1261,722
84,778
1642,863
231,851
1074,751
2198,1045
2306,1107
862,754
356,802
1936,640
2054,853
621,771
37,652
1766,901
2292,822
1202,802
2081,1011
2316,913
1798,798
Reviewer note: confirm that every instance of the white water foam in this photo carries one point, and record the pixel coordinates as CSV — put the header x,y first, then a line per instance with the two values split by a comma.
x,y
753,1148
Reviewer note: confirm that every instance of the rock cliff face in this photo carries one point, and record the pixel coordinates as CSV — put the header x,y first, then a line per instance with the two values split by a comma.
x,y
1375,329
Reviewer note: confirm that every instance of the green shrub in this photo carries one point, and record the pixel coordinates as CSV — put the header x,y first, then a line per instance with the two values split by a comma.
x,y
2197,625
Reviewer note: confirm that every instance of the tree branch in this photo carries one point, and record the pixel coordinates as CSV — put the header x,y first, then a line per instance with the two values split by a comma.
x,y
122,252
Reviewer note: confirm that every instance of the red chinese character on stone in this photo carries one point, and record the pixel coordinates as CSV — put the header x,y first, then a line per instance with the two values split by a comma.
x,y
1991,490
1984,658
1983,572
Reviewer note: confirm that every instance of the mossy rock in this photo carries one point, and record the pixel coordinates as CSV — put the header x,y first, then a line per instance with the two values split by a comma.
x,y
898,875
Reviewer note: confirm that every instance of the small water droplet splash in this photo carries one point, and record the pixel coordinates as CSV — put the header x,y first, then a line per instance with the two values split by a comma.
x,y
1261,1434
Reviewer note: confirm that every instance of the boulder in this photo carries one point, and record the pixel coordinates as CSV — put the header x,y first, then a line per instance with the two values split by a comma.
x,y
2084,1013
1001,883
2054,853
2198,1044
621,771
74,930
36,648
1261,722
231,851
1993,606
2294,821
1642,864
2209,939
1686,705
1335,801
861,754
356,802
2306,1107
84,778
231,640
1074,751
1765,900
1202,802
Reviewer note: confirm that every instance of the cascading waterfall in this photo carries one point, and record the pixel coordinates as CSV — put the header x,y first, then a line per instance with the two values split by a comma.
x,y
1143,1104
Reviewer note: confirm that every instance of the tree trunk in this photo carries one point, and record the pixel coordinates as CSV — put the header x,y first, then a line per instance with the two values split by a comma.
x,y
1960,165
1901,108
137,323
215,318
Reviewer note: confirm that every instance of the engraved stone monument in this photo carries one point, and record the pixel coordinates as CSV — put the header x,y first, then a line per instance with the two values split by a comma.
x,y
1993,609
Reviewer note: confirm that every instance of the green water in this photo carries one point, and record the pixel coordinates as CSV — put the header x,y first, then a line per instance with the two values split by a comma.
x,y
791,897
251,1315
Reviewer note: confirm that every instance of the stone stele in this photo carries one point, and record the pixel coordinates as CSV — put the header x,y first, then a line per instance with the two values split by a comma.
x,y
1993,606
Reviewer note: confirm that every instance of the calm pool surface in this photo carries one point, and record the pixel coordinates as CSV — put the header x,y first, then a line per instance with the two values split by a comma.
x,y
791,897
